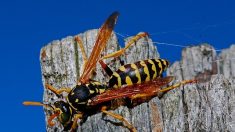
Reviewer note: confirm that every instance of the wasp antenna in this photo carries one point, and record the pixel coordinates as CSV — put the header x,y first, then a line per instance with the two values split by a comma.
x,y
32,103
27,103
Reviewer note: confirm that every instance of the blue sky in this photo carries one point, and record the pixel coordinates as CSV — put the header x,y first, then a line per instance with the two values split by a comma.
x,y
26,26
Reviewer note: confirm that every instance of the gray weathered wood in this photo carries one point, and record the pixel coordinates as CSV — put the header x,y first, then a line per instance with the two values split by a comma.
x,y
206,106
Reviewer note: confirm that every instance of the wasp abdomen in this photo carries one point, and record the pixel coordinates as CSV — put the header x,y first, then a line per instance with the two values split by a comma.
x,y
138,72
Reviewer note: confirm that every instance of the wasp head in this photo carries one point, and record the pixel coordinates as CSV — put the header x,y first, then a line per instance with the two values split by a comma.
x,y
60,110
63,112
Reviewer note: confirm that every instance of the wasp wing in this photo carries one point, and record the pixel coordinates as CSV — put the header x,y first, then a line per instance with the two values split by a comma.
x,y
149,88
101,41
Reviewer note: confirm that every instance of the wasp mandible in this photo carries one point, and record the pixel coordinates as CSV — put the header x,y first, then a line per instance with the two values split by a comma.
x,y
135,83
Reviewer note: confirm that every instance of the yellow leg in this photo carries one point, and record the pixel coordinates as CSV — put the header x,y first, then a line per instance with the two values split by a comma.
x,y
57,91
152,93
84,56
75,120
140,96
177,85
119,117
79,42
121,51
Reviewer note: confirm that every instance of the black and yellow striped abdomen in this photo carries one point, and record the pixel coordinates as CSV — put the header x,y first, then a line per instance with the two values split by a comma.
x,y
138,72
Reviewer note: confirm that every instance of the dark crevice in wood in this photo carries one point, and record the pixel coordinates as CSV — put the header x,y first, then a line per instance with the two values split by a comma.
x,y
76,59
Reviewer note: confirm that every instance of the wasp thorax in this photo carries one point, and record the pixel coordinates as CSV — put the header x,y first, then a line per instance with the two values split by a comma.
x,y
79,94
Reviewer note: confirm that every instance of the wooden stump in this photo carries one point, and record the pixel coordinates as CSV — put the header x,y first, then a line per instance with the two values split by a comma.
x,y
207,106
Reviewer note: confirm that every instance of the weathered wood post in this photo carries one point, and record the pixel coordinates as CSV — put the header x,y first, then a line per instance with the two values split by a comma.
x,y
207,106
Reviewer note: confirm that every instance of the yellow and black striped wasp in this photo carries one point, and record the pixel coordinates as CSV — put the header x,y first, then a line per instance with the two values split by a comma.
x,y
130,85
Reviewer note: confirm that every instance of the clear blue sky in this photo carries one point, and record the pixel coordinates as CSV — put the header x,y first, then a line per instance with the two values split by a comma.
x,y
26,26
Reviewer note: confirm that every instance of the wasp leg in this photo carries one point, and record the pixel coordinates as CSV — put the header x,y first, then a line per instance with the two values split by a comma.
x,y
177,85
84,56
153,91
80,43
75,120
119,117
57,91
140,96
121,51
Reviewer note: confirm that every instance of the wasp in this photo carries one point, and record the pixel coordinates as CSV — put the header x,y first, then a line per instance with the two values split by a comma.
x,y
130,85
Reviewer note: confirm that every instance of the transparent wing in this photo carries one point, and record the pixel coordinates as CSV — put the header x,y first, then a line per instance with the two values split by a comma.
x,y
101,41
